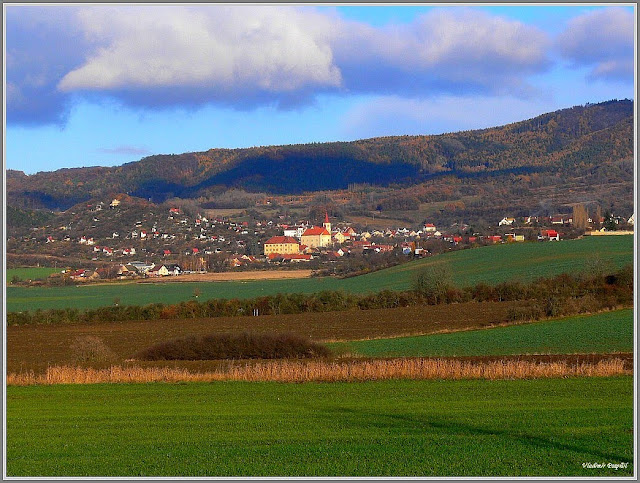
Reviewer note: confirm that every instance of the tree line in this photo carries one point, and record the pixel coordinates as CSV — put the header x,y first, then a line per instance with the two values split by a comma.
x,y
564,294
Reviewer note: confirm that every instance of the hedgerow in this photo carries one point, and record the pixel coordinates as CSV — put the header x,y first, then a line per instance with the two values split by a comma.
x,y
563,294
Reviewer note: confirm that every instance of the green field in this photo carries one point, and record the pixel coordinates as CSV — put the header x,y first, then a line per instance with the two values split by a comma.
x,y
31,273
384,428
600,333
491,264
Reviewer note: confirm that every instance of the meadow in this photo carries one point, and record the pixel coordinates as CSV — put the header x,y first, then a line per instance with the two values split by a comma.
x,y
490,264
603,333
31,273
539,427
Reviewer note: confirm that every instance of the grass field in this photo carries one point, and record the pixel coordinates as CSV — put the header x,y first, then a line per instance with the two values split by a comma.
x,y
31,273
492,264
383,428
605,332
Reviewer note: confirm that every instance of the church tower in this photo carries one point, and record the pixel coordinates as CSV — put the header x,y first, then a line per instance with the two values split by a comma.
x,y
327,223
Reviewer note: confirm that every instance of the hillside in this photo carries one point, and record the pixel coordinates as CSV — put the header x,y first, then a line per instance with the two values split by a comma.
x,y
565,144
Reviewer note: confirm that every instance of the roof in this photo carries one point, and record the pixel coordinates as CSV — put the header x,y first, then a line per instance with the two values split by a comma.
x,y
326,217
316,230
281,240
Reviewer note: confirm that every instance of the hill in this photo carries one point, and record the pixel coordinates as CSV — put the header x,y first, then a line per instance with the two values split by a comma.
x,y
582,141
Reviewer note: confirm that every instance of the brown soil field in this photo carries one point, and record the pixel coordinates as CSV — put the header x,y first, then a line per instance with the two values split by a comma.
x,y
232,276
37,347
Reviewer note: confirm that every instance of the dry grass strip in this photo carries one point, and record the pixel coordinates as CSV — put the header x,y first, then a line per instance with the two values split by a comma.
x,y
326,371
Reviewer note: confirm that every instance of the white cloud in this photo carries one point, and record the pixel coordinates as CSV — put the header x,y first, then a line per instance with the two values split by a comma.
x,y
229,48
466,46
603,39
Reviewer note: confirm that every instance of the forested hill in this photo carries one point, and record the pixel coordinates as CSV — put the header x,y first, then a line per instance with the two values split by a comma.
x,y
569,142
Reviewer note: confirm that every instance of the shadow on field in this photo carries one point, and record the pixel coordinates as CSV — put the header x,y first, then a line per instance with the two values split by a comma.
x,y
457,428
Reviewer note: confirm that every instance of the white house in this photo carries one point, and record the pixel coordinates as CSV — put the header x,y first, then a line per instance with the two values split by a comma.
x,y
506,221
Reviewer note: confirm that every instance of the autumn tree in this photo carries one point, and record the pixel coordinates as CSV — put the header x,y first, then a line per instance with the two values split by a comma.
x,y
580,216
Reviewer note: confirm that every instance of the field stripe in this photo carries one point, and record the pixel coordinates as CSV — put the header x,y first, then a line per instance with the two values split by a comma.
x,y
606,332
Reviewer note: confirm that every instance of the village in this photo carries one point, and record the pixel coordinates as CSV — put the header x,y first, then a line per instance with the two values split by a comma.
x,y
174,243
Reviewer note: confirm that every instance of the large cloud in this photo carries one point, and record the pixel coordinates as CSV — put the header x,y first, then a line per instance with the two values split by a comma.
x,y
443,51
42,45
603,40
225,48
247,56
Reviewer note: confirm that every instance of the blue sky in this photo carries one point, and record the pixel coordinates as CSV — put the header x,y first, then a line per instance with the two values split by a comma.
x,y
108,84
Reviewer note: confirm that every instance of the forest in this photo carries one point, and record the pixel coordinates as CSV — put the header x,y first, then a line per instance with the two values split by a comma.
x,y
565,145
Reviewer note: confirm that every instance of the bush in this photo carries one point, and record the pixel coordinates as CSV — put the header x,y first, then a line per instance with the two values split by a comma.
x,y
432,283
524,313
88,348
234,346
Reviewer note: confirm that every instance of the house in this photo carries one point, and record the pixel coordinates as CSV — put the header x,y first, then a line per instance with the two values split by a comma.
x,y
512,237
166,253
141,267
108,251
552,235
340,237
506,221
129,251
557,220
114,203
158,271
493,238
291,232
50,239
290,257
281,245
316,237
632,219
83,240
90,241
174,269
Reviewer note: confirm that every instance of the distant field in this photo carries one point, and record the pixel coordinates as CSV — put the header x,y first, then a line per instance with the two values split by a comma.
x,y
31,273
606,332
492,264
540,427
35,347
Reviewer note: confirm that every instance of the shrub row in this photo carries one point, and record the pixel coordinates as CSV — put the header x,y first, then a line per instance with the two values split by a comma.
x,y
234,346
559,295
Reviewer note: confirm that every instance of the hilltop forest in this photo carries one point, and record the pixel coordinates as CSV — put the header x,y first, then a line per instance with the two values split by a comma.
x,y
582,154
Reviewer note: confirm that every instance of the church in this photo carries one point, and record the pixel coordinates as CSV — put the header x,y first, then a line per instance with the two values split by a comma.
x,y
318,236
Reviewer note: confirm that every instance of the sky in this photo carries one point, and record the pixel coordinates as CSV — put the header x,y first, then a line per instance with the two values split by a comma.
x,y
102,85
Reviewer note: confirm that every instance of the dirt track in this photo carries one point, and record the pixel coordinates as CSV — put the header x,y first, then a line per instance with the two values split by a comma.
x,y
232,276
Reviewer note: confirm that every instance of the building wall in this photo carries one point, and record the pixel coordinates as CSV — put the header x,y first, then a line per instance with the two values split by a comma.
x,y
281,248
316,240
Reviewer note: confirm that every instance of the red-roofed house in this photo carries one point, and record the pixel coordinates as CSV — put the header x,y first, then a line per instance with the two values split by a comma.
x,y
550,234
